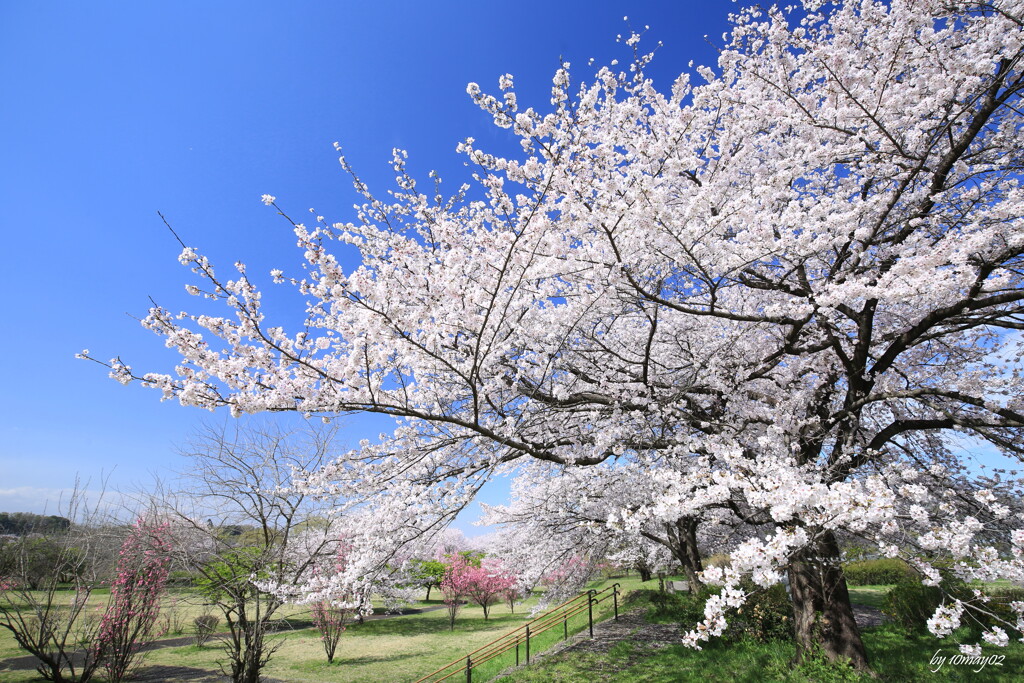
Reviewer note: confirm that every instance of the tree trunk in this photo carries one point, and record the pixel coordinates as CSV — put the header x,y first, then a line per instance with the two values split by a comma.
x,y
645,571
821,606
429,586
683,538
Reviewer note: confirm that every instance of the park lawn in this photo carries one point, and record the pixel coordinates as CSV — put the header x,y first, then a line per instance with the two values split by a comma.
x,y
393,649
400,648
872,596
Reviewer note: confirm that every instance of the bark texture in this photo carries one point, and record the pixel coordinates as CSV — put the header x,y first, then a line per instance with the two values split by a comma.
x,y
823,617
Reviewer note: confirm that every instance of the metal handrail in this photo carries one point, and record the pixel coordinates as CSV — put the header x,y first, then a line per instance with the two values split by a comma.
x,y
550,619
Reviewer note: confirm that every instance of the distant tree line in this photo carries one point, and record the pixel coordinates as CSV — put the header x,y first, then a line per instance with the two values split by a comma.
x,y
22,523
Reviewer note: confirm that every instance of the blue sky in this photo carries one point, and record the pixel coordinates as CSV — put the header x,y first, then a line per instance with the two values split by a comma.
x,y
112,111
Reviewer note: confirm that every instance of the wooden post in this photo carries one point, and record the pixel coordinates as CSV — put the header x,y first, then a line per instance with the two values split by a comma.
x,y
517,651
590,610
527,643
469,670
565,626
615,599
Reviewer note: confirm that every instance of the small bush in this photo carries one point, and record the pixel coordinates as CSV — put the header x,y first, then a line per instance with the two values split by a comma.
x,y
171,619
877,572
204,625
910,603
685,608
766,616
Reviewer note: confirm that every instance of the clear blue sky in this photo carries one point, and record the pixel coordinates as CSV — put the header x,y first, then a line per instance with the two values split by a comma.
x,y
111,111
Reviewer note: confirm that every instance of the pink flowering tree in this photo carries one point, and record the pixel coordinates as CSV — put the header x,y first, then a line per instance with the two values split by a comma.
x,y
135,593
456,585
487,584
798,273
330,621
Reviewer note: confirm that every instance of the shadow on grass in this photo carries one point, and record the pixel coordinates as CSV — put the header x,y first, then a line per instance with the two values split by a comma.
x,y
163,674
371,659
401,626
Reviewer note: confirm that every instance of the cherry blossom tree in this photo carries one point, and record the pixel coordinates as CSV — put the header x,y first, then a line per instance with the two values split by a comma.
x,y
801,276
608,512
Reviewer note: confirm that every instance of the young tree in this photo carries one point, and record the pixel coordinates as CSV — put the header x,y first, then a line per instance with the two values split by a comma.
x,y
487,584
135,593
242,531
455,586
429,574
48,619
330,620
804,272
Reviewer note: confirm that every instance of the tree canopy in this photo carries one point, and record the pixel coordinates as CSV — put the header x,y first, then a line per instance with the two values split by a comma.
x,y
788,287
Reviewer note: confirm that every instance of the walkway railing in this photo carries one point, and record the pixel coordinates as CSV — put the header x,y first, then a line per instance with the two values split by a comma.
x,y
519,639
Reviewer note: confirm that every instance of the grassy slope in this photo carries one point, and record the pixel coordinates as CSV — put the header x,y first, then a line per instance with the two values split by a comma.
x,y
897,656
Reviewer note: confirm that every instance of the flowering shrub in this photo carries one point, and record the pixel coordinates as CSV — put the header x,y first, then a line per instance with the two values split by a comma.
x,y
135,593
330,615
330,620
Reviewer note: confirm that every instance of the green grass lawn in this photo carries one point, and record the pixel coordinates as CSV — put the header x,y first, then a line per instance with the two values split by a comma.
x,y
407,647
872,596
394,649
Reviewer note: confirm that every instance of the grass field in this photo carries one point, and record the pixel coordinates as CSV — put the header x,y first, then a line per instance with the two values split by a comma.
x,y
401,648
406,647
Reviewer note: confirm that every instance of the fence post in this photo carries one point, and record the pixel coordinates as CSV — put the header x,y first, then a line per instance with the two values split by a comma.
x,y
469,670
565,626
615,598
517,651
590,610
527,643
